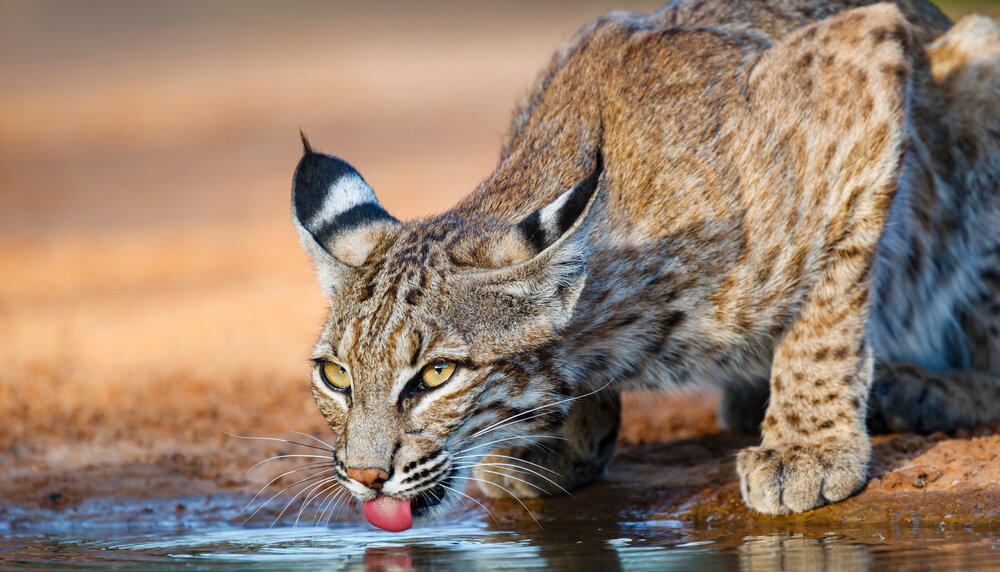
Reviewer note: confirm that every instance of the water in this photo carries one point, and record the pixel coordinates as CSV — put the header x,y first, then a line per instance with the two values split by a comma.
x,y
203,532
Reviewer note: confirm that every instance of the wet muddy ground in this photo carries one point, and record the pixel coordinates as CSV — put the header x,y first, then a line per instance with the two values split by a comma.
x,y
673,463
153,297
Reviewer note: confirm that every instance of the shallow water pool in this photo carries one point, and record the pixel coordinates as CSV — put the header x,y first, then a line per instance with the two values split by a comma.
x,y
205,532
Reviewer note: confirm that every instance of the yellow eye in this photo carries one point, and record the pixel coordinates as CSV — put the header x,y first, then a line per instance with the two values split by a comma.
x,y
435,374
335,375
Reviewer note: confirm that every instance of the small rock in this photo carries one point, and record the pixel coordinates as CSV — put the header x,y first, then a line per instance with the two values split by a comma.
x,y
916,476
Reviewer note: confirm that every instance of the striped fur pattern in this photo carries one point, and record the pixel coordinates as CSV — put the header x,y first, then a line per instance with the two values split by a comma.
x,y
790,191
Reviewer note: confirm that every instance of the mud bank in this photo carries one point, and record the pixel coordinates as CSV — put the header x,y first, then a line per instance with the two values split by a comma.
x,y
673,464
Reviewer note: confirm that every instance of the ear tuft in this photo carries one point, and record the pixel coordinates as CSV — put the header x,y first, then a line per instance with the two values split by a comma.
x,y
306,147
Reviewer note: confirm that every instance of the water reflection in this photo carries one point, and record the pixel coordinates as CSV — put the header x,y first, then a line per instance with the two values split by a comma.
x,y
798,552
568,542
461,556
392,559
874,548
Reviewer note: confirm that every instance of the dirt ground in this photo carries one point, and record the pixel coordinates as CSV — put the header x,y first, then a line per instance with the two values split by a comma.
x,y
153,296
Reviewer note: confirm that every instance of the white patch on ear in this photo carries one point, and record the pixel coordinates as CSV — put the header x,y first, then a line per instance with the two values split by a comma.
x,y
336,215
558,237
343,194
549,215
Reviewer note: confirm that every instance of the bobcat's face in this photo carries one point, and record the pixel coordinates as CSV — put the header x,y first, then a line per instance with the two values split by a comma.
x,y
439,343
423,364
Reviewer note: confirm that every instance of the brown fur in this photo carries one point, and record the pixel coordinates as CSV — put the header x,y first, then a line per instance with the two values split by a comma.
x,y
780,180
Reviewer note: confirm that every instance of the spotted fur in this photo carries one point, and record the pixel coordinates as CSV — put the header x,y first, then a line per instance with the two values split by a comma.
x,y
767,189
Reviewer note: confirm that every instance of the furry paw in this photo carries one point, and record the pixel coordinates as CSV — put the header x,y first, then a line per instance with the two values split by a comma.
x,y
908,401
585,443
784,479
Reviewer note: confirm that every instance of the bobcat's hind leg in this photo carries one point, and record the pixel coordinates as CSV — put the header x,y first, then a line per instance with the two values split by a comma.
x,y
584,445
907,398
965,65
743,406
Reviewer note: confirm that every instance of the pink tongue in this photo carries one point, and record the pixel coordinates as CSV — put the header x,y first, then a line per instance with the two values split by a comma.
x,y
388,513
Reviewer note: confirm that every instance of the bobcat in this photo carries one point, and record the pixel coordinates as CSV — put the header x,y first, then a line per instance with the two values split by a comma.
x,y
796,195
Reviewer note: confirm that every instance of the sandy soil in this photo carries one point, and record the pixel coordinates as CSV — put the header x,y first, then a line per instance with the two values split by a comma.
x,y
152,294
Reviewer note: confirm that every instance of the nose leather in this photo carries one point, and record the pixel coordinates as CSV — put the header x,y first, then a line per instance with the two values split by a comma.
x,y
371,477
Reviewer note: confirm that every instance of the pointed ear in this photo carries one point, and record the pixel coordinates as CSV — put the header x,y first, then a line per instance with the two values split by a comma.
x,y
557,220
548,250
336,214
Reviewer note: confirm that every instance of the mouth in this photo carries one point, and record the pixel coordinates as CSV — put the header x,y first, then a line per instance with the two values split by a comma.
x,y
425,500
396,515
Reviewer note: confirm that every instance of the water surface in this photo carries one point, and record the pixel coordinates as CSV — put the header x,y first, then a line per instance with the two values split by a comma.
x,y
206,532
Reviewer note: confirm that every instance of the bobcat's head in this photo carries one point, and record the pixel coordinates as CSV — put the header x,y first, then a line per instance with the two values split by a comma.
x,y
439,343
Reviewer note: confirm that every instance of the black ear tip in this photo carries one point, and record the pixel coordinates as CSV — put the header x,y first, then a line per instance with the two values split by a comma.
x,y
306,147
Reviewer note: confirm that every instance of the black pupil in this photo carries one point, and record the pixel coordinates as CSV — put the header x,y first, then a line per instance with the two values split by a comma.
x,y
438,369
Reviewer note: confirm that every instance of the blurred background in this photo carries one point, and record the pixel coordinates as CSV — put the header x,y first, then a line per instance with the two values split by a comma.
x,y
152,293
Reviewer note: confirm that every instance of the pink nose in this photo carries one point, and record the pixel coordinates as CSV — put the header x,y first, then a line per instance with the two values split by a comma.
x,y
370,477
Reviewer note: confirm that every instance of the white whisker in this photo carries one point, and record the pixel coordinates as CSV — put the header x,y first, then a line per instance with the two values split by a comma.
x,y
556,473
473,500
330,447
275,495
296,495
269,483
513,418
518,479
515,497
522,470
276,457
526,437
338,506
313,495
314,489
328,498
279,440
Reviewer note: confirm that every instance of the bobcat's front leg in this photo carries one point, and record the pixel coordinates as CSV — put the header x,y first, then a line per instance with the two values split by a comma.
x,y
815,446
583,446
